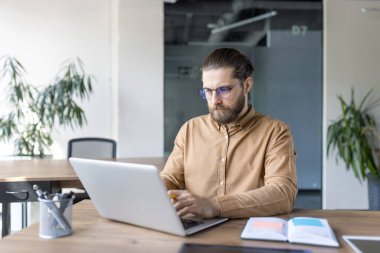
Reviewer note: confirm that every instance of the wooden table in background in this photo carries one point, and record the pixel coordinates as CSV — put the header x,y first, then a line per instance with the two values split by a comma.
x,y
20,176
94,234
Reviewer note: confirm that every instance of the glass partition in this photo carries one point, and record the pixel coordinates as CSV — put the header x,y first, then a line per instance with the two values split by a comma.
x,y
284,41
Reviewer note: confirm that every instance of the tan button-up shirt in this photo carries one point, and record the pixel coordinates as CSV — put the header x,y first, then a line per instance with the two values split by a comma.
x,y
247,166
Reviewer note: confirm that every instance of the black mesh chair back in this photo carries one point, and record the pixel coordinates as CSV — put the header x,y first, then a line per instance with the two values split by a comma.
x,y
92,148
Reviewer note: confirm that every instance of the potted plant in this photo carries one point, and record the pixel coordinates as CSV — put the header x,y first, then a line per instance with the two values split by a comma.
x,y
373,135
352,136
30,113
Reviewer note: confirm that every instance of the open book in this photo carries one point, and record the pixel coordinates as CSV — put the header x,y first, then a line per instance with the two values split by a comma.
x,y
305,230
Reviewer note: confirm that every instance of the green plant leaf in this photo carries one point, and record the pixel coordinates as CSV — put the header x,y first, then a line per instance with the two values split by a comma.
x,y
348,135
34,112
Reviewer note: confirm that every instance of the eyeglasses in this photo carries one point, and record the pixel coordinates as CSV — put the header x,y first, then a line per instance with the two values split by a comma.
x,y
221,92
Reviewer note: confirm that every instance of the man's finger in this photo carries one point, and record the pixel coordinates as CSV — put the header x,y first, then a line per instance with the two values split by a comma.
x,y
173,194
184,211
179,204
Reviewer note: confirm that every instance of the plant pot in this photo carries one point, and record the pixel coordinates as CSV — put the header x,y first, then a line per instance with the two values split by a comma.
x,y
373,192
377,157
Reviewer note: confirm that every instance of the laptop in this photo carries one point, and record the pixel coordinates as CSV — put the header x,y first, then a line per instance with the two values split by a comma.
x,y
363,244
134,194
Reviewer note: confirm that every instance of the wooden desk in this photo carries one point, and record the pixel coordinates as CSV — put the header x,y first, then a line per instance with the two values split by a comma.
x,y
21,175
94,234
53,169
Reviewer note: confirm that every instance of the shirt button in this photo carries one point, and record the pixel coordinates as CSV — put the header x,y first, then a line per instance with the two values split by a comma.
x,y
221,183
226,137
222,159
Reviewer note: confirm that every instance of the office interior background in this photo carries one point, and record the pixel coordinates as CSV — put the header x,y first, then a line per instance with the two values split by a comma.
x,y
145,56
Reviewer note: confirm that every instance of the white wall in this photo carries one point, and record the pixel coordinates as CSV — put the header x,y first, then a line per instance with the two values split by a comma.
x,y
121,44
42,34
351,59
141,71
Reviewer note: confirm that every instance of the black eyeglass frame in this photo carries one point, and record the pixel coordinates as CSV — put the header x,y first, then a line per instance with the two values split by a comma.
x,y
218,91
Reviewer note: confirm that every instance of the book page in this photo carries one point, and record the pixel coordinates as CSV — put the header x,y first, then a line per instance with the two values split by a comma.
x,y
311,231
265,228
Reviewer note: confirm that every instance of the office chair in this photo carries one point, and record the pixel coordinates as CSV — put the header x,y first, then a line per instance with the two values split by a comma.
x,y
90,147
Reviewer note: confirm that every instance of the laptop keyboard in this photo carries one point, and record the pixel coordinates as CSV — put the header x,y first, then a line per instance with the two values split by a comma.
x,y
190,223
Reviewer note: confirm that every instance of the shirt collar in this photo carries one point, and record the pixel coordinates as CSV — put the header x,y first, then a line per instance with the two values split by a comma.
x,y
238,125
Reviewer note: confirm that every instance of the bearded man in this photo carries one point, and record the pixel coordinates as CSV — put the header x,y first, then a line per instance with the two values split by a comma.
x,y
233,162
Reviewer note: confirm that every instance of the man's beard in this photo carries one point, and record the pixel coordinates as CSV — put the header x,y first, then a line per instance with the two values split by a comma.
x,y
226,115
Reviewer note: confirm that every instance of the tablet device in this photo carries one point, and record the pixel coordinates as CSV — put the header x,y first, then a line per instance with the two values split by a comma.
x,y
363,244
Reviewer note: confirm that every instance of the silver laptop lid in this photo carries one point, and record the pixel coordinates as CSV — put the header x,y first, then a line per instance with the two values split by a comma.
x,y
133,193
127,192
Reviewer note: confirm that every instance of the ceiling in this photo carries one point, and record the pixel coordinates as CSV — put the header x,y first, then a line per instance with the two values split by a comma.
x,y
245,22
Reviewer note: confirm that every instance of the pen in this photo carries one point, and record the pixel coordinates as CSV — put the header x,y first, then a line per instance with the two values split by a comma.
x,y
66,197
39,192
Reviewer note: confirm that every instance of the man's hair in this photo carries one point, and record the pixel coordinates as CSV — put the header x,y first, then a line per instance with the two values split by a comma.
x,y
229,58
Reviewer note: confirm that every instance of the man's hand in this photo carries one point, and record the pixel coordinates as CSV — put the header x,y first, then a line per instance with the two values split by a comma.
x,y
188,203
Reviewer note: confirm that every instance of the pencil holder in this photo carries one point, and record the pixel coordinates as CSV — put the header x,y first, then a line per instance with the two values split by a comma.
x,y
55,216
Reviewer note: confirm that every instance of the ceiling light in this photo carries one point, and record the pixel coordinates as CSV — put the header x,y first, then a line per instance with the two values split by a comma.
x,y
244,22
